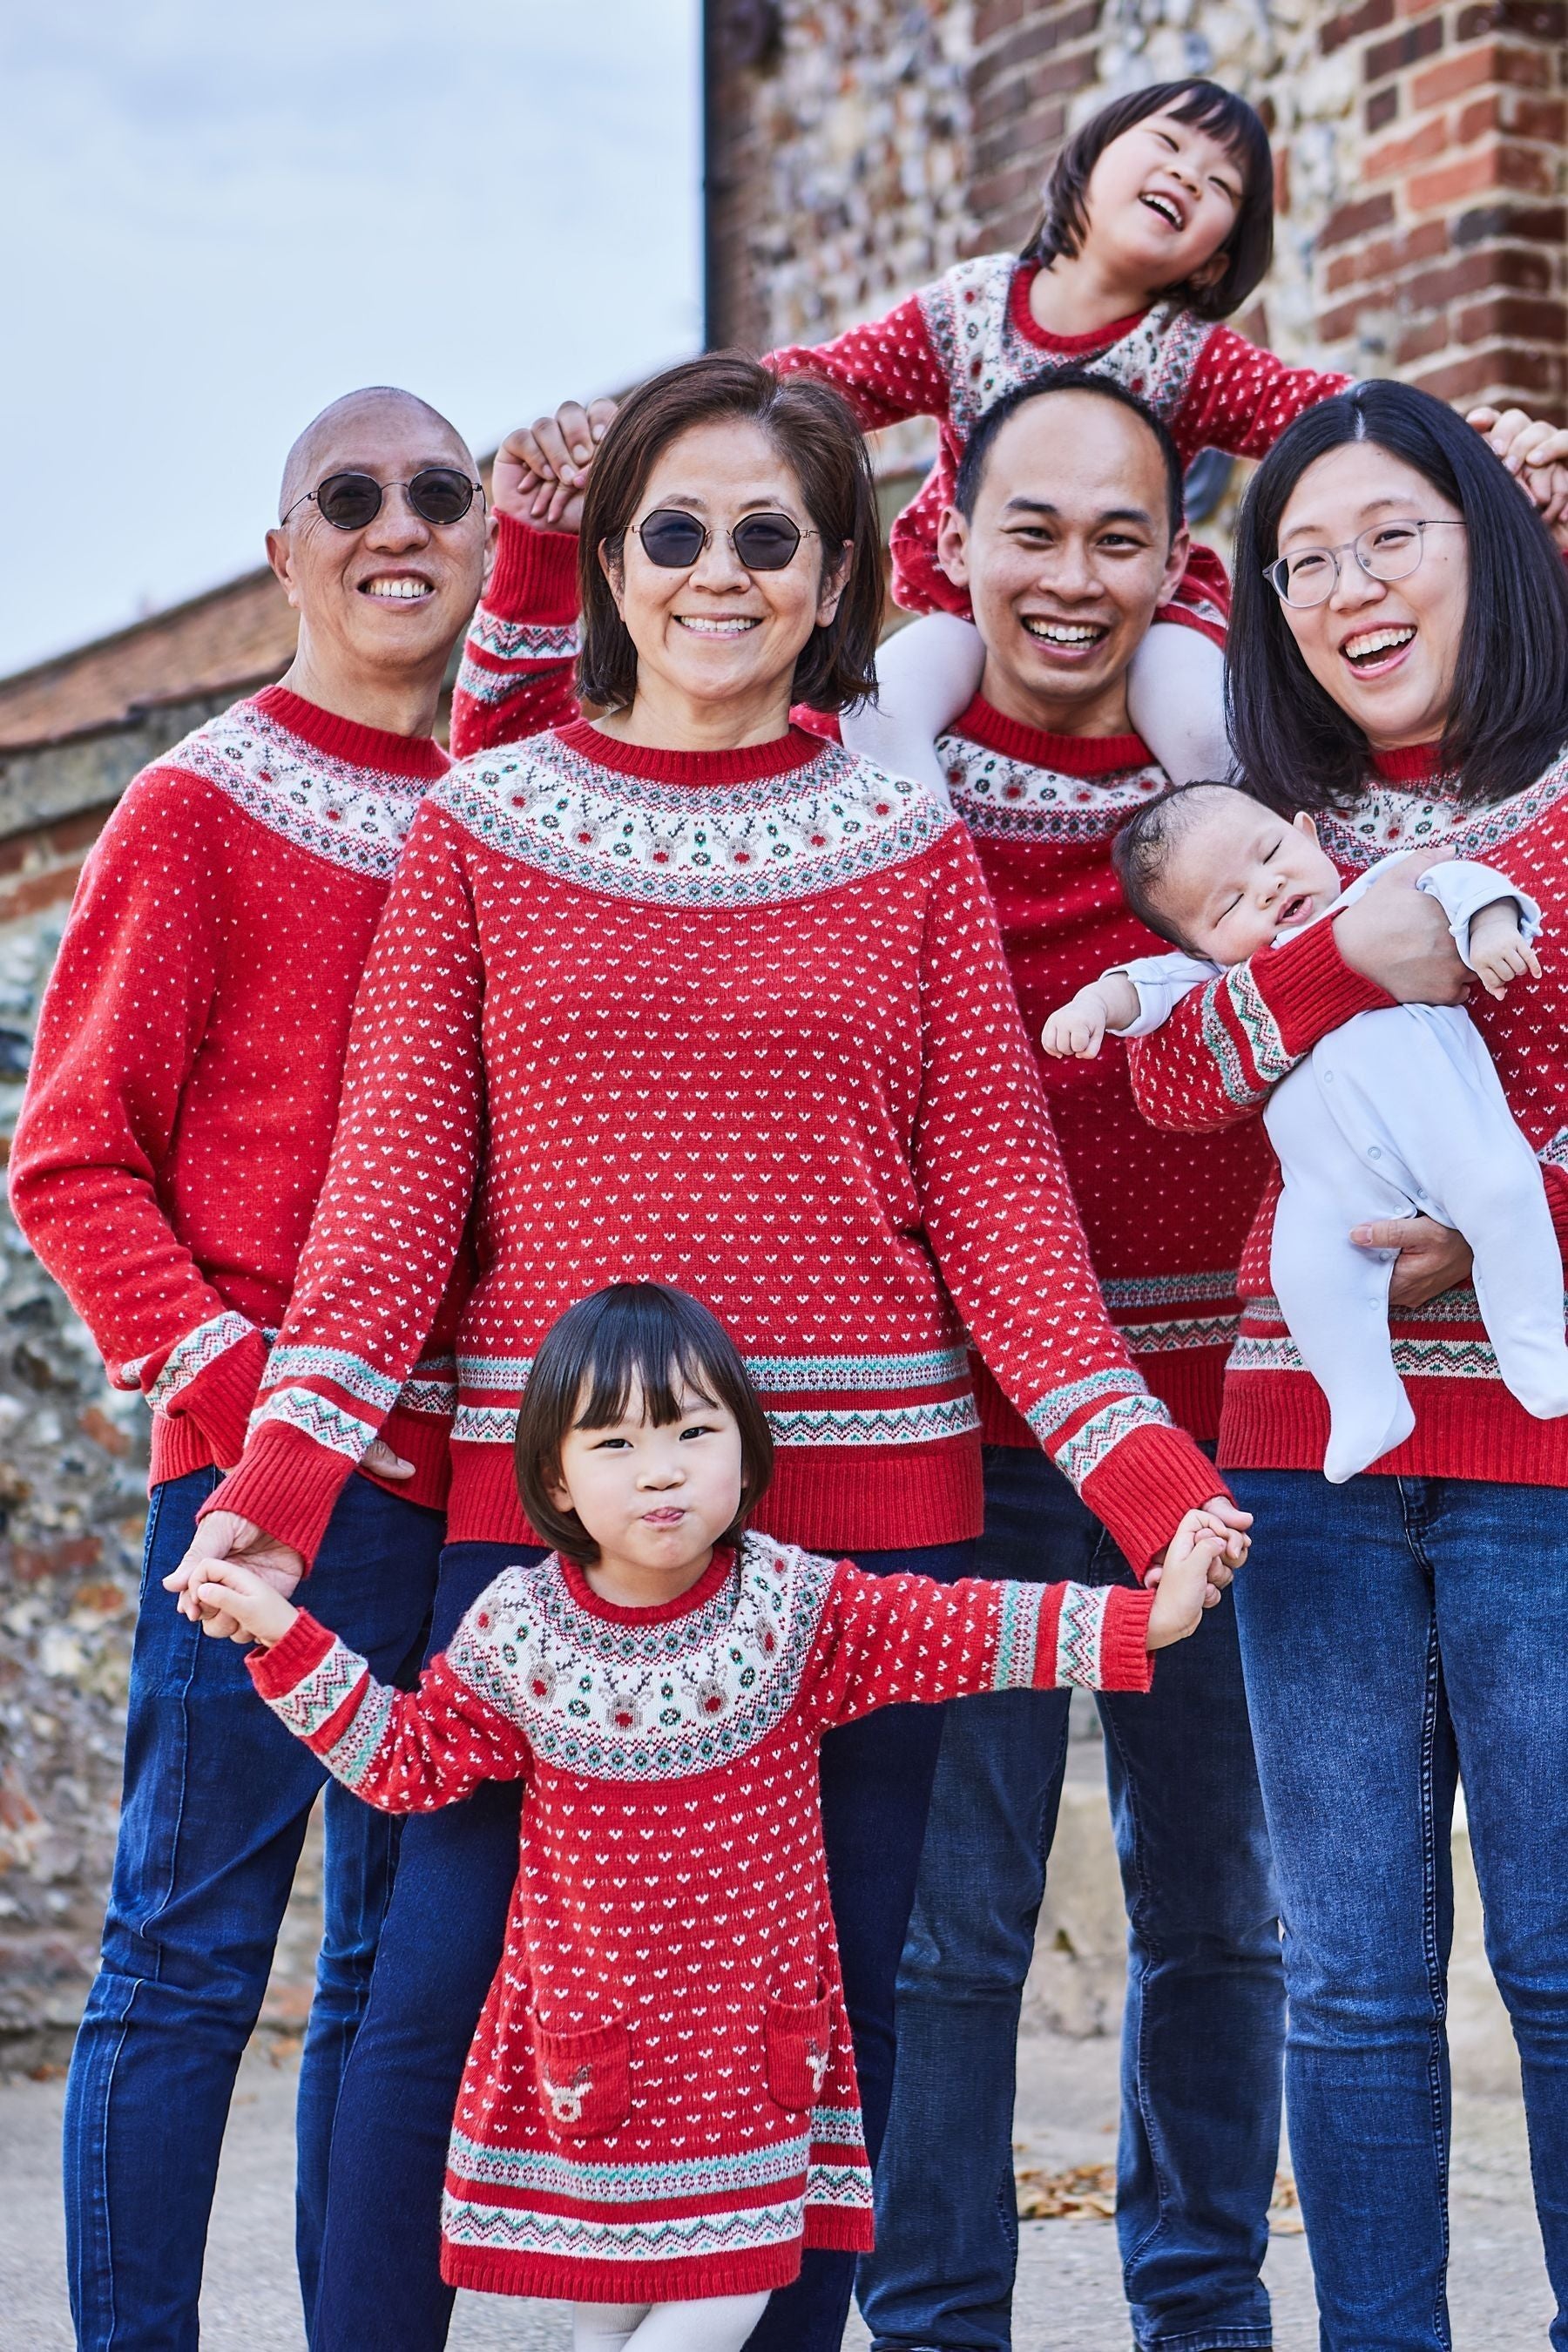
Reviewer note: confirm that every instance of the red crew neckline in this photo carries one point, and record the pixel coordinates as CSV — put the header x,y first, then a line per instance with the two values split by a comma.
x,y
345,738
710,1581
1099,339
1409,764
1039,746
748,763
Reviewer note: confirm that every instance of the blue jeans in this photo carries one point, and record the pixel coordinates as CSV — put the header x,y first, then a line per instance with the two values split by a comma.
x,y
441,1946
1204,2026
217,1796
1398,1634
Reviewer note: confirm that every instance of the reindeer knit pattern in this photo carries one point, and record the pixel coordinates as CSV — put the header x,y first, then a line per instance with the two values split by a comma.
x,y
185,1083
961,345
660,2100
1213,1064
737,1021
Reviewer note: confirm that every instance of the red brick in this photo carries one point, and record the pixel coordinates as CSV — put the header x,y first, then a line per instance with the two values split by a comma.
x,y
1524,223
1382,106
1498,165
1419,40
1477,272
32,1562
1061,74
1526,376
1538,20
1397,156
1384,257
1419,343
95,1423
1357,220
36,891
1351,23
1511,318
1492,61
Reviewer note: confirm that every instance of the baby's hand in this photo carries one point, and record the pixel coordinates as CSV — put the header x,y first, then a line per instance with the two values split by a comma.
x,y
230,1590
1077,1031
1193,1576
1499,950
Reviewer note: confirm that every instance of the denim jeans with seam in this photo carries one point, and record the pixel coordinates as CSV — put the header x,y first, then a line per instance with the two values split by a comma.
x,y
442,1943
217,1797
1204,2026
1399,1634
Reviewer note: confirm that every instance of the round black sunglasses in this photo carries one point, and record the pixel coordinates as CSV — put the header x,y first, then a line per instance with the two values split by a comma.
x,y
763,542
349,501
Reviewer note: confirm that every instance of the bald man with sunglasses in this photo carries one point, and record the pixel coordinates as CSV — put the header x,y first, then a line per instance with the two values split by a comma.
x,y
170,1147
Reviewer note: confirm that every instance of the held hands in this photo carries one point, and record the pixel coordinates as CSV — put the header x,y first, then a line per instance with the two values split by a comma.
x,y
542,470
223,1538
1500,952
227,1592
1193,1576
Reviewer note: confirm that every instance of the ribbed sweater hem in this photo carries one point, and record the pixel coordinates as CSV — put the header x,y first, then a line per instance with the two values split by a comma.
x,y
597,2282
286,1484
1125,1663
842,1499
1145,1485
1464,1429
535,574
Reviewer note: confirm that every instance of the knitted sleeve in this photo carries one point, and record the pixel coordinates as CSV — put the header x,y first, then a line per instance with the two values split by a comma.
x,y
887,370
390,1222
517,676
1226,1047
888,1640
402,1751
118,1035
999,1214
1241,398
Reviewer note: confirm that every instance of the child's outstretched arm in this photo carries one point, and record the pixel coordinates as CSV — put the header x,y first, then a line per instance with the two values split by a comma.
x,y
402,1751
926,674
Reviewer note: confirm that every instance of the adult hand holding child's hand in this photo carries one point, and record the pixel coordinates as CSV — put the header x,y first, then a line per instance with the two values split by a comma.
x,y
1192,1577
223,1536
227,1591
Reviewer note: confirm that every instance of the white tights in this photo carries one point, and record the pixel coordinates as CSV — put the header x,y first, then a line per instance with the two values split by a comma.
x,y
718,2323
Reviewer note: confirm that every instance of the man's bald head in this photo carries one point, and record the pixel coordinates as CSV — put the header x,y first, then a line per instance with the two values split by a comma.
x,y
327,443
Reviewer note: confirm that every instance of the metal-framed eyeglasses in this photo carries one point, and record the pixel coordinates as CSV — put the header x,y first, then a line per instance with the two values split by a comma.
x,y
438,494
1387,551
675,540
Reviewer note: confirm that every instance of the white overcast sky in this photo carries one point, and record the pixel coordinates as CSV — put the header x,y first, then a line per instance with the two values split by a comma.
x,y
214,219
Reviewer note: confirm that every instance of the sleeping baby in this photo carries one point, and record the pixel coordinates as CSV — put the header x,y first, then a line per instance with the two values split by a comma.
x,y
1399,1113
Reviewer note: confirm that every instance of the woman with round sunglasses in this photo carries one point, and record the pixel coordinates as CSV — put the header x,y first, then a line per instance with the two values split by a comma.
x,y
684,993
1399,668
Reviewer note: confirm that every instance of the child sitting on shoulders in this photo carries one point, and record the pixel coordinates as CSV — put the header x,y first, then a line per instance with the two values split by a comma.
x,y
1399,1113
660,2109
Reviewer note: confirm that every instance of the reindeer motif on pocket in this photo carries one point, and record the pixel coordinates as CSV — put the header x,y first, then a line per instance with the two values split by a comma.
x,y
584,2077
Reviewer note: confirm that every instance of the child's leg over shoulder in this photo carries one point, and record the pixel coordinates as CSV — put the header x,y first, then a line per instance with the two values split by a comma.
x,y
927,675
1175,697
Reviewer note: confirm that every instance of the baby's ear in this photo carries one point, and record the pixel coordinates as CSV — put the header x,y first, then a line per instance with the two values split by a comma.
x,y
1304,823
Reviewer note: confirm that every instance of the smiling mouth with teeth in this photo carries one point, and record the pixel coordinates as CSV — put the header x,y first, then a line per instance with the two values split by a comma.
x,y
1166,206
1066,632
401,590
724,624
1372,644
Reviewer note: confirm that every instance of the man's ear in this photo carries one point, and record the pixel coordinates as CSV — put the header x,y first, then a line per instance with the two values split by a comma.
x,y
1181,547
279,557
952,546
492,535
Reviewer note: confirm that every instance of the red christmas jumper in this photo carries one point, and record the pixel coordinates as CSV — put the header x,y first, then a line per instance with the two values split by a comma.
x,y
957,347
1213,1064
660,2100
738,1021
185,1083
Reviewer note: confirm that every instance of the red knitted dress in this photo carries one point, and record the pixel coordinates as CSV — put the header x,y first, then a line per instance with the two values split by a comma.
x,y
1214,1062
185,1083
736,1021
954,349
660,2100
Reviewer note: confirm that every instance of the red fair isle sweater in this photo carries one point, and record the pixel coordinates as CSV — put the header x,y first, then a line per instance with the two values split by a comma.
x,y
954,349
184,1084
660,2100
737,1021
1214,1062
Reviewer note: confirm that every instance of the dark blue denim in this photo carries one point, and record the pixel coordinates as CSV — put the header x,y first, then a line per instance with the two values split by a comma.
x,y
440,1947
1398,1634
1204,2028
217,1796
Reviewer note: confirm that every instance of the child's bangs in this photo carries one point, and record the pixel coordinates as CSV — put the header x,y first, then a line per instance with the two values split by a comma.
x,y
1232,120
649,1359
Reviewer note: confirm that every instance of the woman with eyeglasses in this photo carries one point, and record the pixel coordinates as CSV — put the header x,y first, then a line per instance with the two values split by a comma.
x,y
1399,670
683,993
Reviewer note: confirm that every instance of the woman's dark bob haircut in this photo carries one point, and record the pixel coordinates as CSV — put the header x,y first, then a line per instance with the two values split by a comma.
x,y
812,430
1508,718
633,1334
1249,248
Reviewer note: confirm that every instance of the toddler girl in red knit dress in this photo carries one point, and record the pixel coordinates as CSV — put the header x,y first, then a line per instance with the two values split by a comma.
x,y
660,2109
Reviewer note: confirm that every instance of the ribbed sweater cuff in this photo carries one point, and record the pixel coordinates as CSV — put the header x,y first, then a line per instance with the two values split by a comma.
x,y
534,577
1146,1484
1125,1664
222,1396
1311,988
288,1485
281,1669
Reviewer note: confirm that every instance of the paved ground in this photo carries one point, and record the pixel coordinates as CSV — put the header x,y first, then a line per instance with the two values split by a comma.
x,y
1068,2298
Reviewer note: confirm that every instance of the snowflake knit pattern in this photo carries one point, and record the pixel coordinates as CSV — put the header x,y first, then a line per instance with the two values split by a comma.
x,y
1215,1061
660,2100
184,1082
737,1021
957,347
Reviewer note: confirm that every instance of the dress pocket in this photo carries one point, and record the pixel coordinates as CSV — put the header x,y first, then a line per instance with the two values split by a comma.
x,y
585,2079
799,2049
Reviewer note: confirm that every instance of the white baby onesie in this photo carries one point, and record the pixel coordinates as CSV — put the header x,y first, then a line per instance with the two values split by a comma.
x,y
1399,1113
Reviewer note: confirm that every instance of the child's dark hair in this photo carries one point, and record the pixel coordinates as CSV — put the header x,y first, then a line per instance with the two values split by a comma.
x,y
641,1333
1249,248
977,448
1141,853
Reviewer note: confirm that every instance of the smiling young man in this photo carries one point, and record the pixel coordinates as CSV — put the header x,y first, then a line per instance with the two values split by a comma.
x,y
1067,533
171,1148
